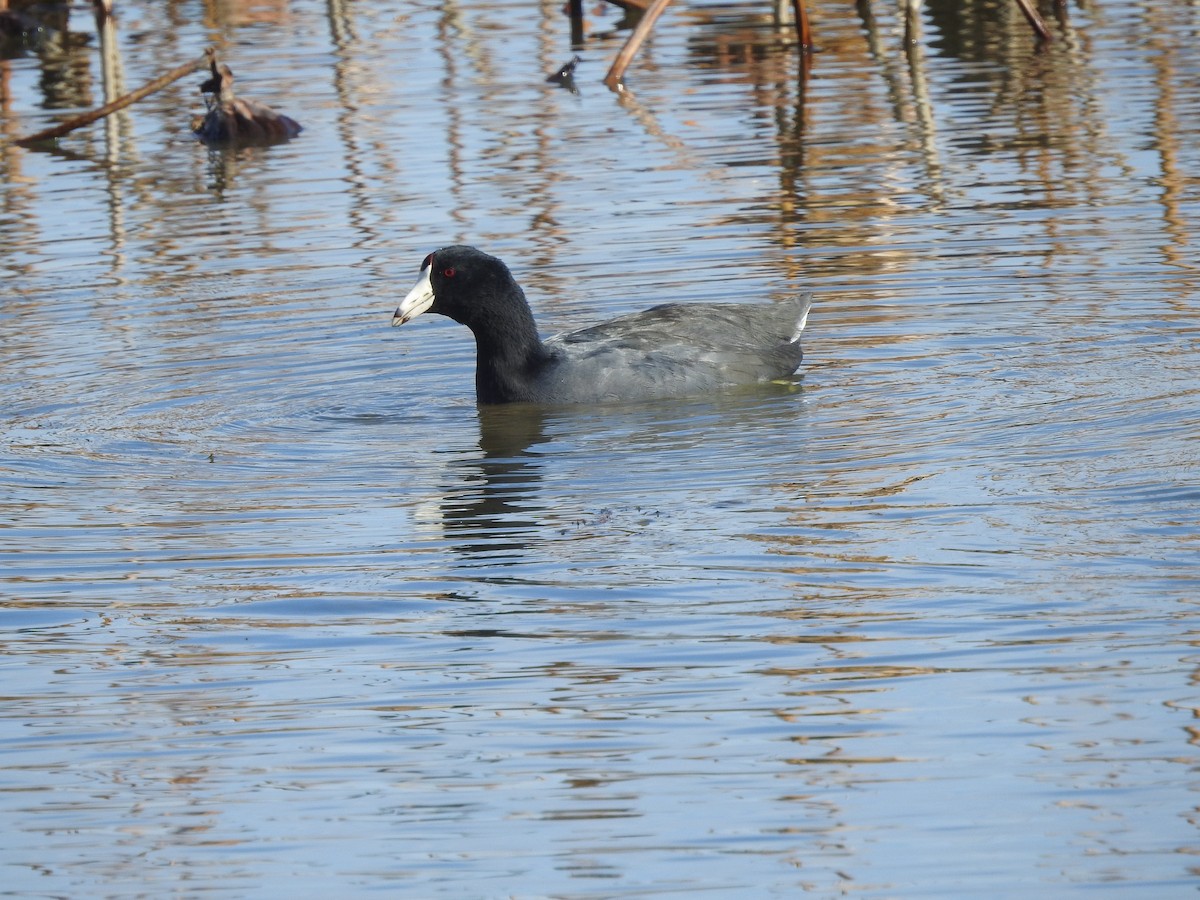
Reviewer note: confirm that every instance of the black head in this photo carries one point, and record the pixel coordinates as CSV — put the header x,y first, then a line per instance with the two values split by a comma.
x,y
222,79
466,285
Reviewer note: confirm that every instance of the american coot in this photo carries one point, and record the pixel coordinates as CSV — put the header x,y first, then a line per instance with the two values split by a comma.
x,y
668,351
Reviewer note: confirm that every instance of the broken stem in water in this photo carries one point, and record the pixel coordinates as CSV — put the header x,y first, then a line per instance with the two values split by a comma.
x,y
120,103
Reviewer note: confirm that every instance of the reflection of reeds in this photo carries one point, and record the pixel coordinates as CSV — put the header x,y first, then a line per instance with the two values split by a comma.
x,y
111,71
798,14
120,103
975,97
629,51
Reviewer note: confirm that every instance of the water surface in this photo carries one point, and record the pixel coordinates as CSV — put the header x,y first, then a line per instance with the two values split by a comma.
x,y
284,612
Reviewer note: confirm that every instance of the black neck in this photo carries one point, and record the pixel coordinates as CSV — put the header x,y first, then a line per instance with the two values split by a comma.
x,y
510,353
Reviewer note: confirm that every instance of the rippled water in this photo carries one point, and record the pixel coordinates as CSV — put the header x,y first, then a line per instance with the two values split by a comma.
x,y
284,612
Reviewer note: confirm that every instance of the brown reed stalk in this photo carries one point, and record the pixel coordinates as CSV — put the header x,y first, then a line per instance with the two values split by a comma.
x,y
120,103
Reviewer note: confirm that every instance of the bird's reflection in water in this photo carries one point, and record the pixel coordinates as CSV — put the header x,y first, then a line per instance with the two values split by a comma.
x,y
501,506
494,514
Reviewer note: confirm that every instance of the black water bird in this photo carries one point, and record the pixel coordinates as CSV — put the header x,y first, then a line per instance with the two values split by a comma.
x,y
673,350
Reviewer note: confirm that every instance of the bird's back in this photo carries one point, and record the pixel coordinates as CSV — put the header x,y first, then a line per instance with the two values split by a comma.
x,y
675,350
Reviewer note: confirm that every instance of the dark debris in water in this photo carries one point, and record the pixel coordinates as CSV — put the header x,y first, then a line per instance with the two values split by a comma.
x,y
565,76
625,520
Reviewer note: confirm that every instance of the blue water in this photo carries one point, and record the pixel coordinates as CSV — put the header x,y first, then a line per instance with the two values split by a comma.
x,y
284,612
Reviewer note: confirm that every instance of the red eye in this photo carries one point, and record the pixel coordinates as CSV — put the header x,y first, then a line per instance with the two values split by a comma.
x,y
448,272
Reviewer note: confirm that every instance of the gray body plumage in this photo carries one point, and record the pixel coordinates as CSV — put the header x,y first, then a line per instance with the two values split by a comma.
x,y
675,349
